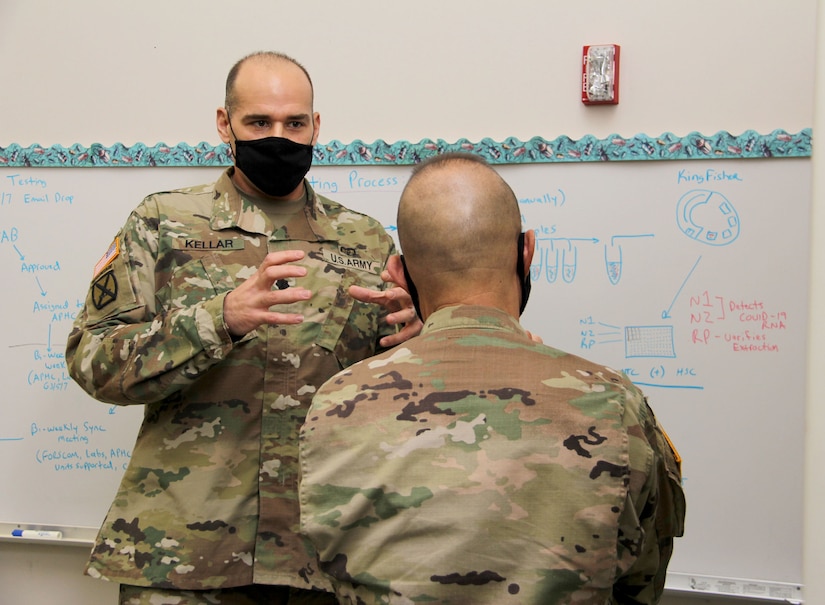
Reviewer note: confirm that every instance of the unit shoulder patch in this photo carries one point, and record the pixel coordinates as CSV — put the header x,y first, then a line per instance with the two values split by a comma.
x,y
104,290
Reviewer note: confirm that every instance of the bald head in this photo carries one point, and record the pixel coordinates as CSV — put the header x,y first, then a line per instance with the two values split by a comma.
x,y
458,227
260,57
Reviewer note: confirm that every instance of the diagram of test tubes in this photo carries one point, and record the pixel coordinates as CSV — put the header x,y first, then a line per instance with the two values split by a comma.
x,y
707,217
613,256
559,256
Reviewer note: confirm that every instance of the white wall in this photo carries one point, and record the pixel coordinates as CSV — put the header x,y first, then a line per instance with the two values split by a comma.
x,y
99,71
152,71
814,552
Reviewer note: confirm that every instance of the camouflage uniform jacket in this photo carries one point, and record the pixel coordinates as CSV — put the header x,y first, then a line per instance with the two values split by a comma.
x,y
209,498
473,465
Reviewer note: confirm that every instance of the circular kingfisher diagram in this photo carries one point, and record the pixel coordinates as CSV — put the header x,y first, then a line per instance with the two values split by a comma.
x,y
708,217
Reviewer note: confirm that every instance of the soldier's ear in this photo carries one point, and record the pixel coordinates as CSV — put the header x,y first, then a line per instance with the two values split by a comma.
x,y
529,248
396,270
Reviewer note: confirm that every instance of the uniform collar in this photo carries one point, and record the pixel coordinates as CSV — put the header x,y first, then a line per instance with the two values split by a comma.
x,y
231,210
472,316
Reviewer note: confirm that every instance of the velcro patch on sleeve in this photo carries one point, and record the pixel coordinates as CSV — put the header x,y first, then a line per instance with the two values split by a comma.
x,y
104,290
676,455
110,255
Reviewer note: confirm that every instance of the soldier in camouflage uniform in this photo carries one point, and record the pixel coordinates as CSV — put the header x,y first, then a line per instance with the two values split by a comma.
x,y
472,464
222,308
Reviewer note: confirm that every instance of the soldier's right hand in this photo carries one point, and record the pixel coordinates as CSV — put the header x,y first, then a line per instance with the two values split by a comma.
x,y
248,305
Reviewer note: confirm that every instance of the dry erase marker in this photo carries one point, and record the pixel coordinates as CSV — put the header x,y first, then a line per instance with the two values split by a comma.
x,y
37,533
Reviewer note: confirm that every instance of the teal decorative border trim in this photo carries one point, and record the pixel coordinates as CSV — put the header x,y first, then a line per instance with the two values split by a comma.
x,y
694,146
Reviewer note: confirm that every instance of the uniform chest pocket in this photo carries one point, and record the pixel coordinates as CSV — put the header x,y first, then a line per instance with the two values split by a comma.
x,y
349,328
196,281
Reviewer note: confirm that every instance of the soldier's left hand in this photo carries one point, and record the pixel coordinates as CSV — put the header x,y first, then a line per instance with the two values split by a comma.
x,y
401,310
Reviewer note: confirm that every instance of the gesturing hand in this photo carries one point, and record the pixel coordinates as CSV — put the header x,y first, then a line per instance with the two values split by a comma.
x,y
401,310
248,305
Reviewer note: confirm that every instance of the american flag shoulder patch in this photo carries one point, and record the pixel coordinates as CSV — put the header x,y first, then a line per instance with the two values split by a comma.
x,y
108,257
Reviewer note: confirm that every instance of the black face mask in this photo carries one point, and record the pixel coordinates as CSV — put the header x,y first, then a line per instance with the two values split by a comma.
x,y
524,279
411,288
523,273
275,165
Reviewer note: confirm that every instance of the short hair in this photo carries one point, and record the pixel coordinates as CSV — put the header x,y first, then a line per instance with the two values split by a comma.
x,y
230,99
458,223
445,158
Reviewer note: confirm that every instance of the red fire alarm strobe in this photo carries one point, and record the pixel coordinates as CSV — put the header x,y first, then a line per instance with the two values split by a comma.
x,y
600,74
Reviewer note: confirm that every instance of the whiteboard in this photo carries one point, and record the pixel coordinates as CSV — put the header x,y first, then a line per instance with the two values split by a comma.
x,y
689,275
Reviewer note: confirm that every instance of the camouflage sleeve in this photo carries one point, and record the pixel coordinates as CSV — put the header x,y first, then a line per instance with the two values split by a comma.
x,y
660,507
123,349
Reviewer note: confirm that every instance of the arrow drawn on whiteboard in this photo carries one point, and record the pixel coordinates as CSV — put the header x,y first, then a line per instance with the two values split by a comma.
x,y
42,291
49,340
20,254
666,312
592,240
615,237
614,331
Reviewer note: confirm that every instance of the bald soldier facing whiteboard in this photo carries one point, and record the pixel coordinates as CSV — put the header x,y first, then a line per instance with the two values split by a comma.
x,y
472,464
